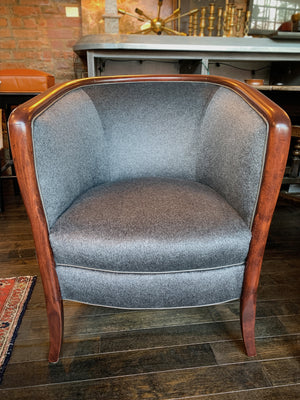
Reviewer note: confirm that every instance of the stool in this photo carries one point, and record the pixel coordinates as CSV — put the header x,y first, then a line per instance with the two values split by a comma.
x,y
16,87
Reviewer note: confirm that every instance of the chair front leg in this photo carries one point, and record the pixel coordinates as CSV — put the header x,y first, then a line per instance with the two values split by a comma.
x,y
55,315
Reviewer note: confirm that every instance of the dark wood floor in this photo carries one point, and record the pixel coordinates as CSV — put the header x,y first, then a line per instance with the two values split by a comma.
x,y
180,354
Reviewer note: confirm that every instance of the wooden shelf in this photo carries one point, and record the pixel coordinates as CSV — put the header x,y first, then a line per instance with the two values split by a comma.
x,y
283,88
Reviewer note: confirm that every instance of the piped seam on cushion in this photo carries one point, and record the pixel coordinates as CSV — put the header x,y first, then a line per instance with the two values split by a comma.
x,y
151,308
149,273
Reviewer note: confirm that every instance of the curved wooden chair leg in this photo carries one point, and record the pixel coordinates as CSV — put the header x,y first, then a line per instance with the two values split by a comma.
x,y
247,318
56,324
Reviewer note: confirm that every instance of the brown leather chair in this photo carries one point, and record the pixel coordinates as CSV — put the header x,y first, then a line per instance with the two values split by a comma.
x,y
150,191
24,80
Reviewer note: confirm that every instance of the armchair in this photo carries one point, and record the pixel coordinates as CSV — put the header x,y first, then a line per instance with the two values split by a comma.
x,y
150,191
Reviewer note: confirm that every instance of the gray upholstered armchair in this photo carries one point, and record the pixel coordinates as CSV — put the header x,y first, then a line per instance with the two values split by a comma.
x,y
150,192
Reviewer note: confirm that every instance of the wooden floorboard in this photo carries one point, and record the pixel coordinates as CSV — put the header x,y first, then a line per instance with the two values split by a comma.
x,y
188,354
168,384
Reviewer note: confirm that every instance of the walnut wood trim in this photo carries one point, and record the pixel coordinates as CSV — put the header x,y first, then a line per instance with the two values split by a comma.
x,y
276,156
257,100
22,149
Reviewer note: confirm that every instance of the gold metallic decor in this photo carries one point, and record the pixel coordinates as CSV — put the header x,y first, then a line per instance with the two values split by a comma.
x,y
157,24
211,19
219,23
227,21
247,23
202,21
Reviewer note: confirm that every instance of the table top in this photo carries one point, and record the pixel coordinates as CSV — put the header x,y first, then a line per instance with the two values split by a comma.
x,y
283,88
186,43
19,93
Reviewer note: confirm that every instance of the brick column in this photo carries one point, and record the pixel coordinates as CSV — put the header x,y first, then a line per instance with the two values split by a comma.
x,y
111,17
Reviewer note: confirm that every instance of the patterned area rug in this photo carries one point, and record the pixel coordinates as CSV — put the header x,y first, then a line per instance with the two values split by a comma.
x,y
14,296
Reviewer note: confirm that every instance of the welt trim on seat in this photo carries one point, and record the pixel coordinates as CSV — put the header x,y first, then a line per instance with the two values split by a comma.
x,y
151,291
149,273
149,309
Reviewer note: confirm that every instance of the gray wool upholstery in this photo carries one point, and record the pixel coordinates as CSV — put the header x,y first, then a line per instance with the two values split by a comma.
x,y
152,130
150,243
109,132
235,141
165,290
150,225
147,205
69,152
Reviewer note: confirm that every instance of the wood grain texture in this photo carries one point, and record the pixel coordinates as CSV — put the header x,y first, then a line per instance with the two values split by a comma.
x,y
172,384
169,354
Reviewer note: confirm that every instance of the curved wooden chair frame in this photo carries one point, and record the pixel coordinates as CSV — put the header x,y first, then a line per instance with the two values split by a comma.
x,y
275,162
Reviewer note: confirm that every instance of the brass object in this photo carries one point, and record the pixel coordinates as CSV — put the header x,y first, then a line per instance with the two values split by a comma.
x,y
121,11
158,24
195,10
190,30
231,20
141,12
195,24
247,23
179,16
225,18
239,20
193,14
211,19
227,21
202,21
159,7
173,16
219,23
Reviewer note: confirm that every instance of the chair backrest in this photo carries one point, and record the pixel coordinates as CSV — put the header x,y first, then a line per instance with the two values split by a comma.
x,y
103,132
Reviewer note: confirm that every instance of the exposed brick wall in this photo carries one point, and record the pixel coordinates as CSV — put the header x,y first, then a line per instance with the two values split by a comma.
x,y
37,34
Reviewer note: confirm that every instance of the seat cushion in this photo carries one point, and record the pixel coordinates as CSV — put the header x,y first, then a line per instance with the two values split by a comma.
x,y
150,226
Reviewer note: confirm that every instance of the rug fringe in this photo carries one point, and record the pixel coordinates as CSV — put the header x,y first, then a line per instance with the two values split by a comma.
x,y
15,333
